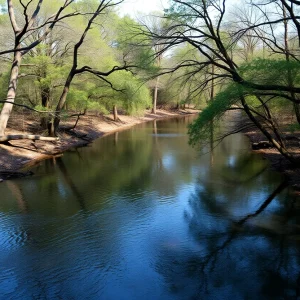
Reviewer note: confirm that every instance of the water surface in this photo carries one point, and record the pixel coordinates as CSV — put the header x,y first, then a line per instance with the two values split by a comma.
x,y
142,215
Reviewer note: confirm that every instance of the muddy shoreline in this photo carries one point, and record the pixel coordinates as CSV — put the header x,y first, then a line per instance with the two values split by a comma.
x,y
17,158
277,162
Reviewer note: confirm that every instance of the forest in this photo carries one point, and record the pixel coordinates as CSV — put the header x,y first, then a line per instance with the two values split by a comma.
x,y
66,59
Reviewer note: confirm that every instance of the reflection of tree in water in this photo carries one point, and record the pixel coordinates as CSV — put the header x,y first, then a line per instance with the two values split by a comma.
x,y
234,257
70,183
18,195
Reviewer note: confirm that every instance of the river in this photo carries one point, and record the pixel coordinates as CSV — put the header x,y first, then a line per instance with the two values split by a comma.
x,y
140,214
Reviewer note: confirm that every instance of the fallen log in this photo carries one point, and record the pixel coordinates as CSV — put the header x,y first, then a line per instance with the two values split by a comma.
x,y
261,145
6,138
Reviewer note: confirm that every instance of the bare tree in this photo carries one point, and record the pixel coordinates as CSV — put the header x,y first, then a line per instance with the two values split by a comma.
x,y
75,70
240,18
155,23
20,35
202,25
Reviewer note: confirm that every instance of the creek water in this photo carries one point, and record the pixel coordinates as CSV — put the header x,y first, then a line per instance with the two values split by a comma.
x,y
140,214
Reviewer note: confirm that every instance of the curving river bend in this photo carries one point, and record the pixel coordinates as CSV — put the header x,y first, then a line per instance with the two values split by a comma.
x,y
142,215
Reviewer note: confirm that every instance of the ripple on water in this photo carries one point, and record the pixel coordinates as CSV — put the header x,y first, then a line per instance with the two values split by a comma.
x,y
8,282
12,236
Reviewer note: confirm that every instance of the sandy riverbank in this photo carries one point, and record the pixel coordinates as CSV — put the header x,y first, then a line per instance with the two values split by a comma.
x,y
25,153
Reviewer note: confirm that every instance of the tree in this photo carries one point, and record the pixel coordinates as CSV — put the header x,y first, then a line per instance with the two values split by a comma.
x,y
103,6
254,86
23,29
158,25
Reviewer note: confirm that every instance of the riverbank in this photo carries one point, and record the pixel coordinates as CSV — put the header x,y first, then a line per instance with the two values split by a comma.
x,y
22,154
276,160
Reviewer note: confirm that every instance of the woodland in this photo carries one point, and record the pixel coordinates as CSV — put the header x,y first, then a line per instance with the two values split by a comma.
x,y
66,58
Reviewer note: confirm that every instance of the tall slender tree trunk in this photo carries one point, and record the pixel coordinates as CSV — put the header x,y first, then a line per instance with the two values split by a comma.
x,y
53,124
11,93
53,128
297,112
116,118
287,57
212,95
155,96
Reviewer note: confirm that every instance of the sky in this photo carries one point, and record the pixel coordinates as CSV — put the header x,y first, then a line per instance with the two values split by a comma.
x,y
133,7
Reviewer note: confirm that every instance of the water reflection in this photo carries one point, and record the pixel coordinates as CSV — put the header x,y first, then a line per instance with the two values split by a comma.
x,y
242,245
141,215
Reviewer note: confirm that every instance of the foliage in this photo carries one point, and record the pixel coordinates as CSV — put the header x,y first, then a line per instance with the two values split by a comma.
x,y
199,130
110,42
271,71
294,127
79,100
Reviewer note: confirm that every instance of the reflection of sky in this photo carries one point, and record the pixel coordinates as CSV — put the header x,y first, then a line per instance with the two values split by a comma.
x,y
231,161
61,189
251,203
169,161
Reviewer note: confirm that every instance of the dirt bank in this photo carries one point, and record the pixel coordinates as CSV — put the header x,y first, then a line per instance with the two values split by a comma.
x,y
277,161
25,153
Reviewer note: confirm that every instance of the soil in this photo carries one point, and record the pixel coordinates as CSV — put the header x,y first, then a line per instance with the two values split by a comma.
x,y
277,161
19,155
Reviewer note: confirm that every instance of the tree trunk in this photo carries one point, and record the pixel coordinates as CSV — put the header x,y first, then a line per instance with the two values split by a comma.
x,y
59,107
13,137
116,118
287,57
155,96
297,112
52,128
11,93
45,95
212,95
